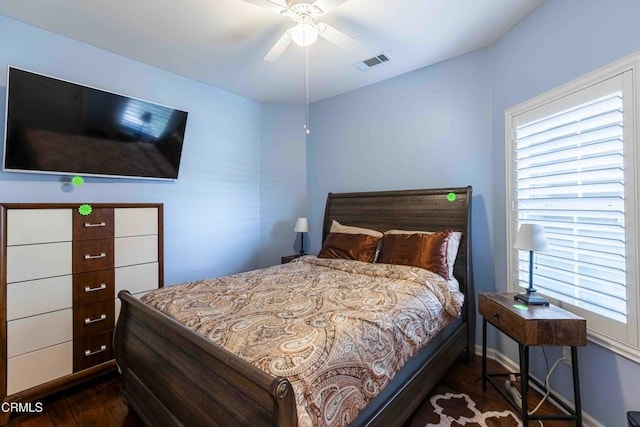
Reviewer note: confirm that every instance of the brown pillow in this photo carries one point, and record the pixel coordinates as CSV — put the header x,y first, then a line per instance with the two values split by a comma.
x,y
428,251
359,247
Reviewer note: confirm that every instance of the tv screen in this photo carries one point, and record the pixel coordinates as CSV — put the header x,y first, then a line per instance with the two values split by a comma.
x,y
60,127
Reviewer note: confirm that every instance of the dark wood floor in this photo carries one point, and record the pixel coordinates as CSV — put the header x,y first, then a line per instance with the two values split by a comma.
x,y
100,404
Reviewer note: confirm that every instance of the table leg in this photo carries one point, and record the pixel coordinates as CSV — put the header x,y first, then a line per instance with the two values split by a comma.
x,y
524,381
576,385
484,354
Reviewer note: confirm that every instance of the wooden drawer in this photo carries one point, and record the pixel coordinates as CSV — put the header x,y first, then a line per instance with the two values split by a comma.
x,y
92,350
92,287
92,255
30,298
136,250
36,332
29,226
97,225
502,318
38,367
137,278
135,221
93,318
32,262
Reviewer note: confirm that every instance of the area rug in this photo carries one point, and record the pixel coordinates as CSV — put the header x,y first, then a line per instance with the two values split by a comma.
x,y
451,409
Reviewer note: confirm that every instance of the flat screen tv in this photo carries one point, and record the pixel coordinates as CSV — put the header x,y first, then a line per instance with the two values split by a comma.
x,y
59,127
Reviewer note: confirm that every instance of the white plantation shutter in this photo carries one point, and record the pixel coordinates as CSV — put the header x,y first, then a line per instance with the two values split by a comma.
x,y
571,168
570,180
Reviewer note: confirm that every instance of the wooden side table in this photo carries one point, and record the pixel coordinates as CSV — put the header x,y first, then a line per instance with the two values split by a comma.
x,y
532,326
289,258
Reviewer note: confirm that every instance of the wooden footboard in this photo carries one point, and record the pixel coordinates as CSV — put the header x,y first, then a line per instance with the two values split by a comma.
x,y
173,376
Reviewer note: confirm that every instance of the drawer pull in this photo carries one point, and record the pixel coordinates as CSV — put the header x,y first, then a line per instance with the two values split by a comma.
x,y
99,224
97,288
88,320
102,255
88,353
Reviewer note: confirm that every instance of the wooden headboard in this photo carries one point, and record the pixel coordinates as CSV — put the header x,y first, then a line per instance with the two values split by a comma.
x,y
422,210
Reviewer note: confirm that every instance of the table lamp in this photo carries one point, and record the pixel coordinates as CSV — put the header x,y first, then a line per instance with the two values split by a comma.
x,y
302,226
531,238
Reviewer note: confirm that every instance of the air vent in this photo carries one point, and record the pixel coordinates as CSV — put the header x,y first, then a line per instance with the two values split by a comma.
x,y
367,64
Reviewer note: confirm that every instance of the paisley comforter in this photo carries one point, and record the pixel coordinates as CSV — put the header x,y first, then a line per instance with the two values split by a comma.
x,y
338,330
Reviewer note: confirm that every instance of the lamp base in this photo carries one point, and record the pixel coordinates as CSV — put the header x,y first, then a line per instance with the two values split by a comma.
x,y
531,299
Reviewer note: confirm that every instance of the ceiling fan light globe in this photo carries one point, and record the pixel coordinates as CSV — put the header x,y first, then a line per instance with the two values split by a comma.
x,y
304,34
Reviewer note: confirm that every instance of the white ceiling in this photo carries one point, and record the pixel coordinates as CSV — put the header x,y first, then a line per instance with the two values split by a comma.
x,y
222,42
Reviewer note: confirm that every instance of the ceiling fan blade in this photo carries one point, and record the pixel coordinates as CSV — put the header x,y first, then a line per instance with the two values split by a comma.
x,y
277,6
328,5
279,47
338,38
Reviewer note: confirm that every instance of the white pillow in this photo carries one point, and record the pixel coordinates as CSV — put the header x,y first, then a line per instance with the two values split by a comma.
x,y
336,227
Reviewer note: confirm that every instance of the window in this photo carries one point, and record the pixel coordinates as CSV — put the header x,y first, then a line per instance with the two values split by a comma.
x,y
571,163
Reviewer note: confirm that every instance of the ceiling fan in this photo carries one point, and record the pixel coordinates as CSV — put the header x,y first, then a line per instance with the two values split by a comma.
x,y
306,31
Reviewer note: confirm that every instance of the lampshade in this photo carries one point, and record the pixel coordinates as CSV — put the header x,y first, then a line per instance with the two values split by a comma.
x,y
531,238
302,225
304,34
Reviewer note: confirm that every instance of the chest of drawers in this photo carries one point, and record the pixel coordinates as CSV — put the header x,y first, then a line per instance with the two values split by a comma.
x,y
60,273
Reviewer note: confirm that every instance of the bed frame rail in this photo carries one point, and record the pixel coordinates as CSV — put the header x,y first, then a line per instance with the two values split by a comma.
x,y
221,391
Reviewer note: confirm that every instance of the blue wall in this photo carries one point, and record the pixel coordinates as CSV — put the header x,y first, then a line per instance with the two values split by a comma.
x,y
212,212
558,42
283,180
443,125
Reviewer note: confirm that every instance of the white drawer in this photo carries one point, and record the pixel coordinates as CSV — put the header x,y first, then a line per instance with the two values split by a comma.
x,y
28,226
137,278
38,367
38,261
37,332
135,250
119,303
39,296
135,221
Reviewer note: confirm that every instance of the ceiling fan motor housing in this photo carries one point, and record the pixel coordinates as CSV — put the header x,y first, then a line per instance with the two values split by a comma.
x,y
302,10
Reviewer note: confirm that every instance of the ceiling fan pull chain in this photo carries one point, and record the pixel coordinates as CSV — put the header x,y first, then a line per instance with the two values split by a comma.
x,y
306,89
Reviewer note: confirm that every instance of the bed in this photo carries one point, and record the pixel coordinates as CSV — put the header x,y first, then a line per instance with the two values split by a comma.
x,y
173,375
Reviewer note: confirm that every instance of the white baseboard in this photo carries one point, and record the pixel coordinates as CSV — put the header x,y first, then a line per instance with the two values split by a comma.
x,y
510,365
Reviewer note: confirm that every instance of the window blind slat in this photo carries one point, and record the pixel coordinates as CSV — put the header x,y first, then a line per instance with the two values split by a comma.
x,y
615,175
602,204
572,190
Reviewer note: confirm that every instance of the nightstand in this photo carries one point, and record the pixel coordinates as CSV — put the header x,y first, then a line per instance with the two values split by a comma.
x,y
532,326
289,258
